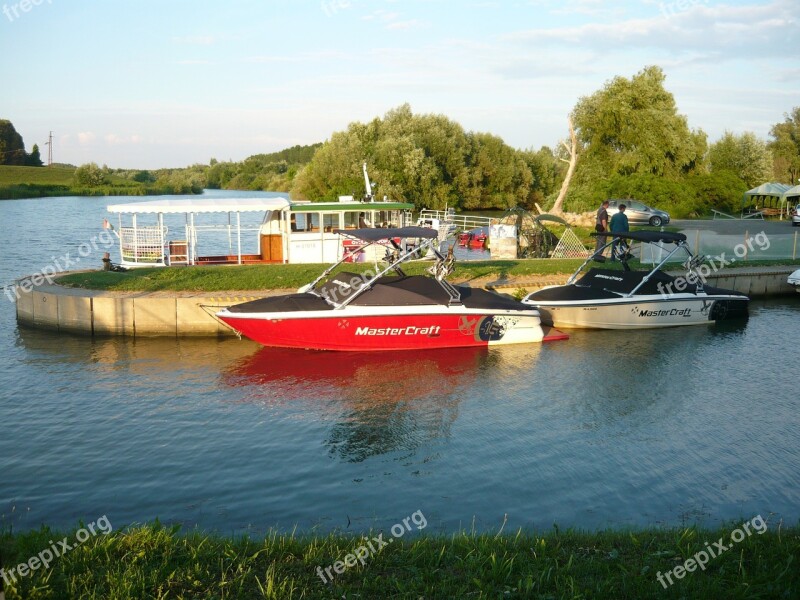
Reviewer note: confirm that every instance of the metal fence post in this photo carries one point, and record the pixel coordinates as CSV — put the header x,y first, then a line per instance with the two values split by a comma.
x,y
746,237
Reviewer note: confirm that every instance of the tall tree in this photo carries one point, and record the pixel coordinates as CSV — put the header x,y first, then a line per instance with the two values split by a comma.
x,y
34,159
632,126
12,148
785,147
425,159
745,155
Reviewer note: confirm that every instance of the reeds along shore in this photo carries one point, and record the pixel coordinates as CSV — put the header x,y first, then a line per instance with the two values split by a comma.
x,y
154,561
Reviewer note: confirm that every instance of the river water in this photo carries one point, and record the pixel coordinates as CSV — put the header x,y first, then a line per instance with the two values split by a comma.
x,y
606,429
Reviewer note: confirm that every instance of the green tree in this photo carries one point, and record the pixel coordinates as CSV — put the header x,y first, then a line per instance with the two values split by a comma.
x,y
12,148
632,126
745,155
785,147
34,159
425,159
90,175
144,177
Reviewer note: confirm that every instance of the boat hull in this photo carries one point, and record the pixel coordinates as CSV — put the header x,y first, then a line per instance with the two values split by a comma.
x,y
642,312
391,329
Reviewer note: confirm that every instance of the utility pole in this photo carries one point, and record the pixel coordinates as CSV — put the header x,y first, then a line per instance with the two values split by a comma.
x,y
49,145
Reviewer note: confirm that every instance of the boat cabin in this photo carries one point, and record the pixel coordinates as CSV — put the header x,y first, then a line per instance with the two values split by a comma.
x,y
190,231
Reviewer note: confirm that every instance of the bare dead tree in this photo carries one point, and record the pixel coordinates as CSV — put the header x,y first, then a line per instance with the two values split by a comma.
x,y
573,159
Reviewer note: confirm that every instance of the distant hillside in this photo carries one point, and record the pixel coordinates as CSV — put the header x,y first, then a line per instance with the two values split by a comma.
x,y
17,182
12,175
269,172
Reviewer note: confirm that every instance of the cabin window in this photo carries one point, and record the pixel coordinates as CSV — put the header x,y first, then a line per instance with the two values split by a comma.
x,y
330,221
351,220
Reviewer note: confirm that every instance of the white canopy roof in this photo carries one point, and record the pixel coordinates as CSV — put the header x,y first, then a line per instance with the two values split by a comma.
x,y
792,192
202,205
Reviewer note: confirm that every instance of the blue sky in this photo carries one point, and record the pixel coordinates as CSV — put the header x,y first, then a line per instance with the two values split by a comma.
x,y
153,84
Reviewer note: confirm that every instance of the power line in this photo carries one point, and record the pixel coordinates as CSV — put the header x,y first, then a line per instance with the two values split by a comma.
x,y
49,144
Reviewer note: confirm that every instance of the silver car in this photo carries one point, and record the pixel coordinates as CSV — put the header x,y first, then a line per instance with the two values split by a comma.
x,y
638,213
796,216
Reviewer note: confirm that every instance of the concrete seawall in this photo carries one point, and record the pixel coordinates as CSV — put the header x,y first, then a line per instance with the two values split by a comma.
x,y
133,314
151,314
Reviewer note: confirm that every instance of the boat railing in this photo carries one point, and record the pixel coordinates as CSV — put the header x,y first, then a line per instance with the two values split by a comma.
x,y
143,244
462,222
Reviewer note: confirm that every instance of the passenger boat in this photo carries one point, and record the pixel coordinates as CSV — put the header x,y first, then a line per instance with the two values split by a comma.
x,y
626,299
166,232
387,309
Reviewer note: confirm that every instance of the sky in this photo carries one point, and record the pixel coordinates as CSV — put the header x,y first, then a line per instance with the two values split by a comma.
x,y
151,84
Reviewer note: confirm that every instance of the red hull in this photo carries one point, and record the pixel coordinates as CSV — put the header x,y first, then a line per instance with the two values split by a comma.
x,y
393,332
470,240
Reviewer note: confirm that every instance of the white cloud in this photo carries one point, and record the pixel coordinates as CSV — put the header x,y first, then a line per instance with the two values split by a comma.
x,y
85,138
719,32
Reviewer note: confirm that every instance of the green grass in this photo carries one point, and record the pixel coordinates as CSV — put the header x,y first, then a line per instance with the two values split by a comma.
x,y
258,277
37,182
12,175
269,277
153,561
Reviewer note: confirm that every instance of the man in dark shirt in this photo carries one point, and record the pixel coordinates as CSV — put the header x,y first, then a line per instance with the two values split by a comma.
x,y
619,224
600,226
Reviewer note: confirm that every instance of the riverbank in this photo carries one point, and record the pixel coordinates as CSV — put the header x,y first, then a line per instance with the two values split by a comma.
x,y
155,561
18,183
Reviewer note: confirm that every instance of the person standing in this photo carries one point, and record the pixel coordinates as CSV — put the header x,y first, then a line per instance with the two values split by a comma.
x,y
601,226
618,224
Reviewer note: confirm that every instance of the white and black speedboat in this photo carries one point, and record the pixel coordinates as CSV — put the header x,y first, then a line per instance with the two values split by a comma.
x,y
794,279
386,309
603,298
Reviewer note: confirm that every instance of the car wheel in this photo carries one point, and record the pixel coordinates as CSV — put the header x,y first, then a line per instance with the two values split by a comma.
x,y
655,221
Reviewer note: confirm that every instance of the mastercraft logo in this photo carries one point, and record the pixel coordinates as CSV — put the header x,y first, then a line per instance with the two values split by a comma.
x,y
410,330
675,312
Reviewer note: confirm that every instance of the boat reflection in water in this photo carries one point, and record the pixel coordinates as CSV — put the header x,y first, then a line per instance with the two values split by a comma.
x,y
376,402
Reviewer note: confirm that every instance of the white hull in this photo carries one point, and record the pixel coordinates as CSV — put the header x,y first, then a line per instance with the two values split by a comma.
x,y
794,279
641,312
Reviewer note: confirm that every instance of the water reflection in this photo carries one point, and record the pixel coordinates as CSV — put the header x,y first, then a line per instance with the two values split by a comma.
x,y
377,402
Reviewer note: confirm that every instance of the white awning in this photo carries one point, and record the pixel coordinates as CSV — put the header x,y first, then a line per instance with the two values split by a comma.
x,y
202,205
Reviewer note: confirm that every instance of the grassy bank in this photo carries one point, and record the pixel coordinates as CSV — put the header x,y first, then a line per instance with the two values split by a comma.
x,y
265,277
257,277
36,182
158,562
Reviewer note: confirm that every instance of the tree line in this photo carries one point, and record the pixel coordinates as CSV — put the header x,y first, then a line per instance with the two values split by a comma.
x,y
630,141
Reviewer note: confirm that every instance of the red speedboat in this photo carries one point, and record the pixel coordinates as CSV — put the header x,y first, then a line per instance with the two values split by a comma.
x,y
387,309
473,239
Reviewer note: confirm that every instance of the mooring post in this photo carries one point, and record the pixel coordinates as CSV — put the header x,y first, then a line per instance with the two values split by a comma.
x,y
746,237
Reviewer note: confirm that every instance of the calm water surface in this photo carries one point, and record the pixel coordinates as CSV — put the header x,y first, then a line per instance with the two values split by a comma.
x,y
606,429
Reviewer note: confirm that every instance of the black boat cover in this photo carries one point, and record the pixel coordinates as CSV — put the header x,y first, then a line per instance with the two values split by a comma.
x,y
599,284
414,290
647,236
378,233
287,303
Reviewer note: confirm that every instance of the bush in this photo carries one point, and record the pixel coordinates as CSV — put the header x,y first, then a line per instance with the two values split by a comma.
x,y
89,175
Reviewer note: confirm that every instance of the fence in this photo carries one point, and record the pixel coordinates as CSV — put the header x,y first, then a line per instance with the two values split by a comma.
x,y
741,247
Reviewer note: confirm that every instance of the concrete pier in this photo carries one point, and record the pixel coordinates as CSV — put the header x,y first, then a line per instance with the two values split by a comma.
x,y
133,314
151,314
